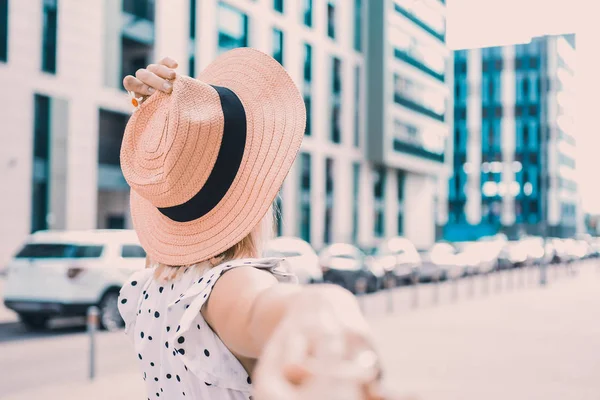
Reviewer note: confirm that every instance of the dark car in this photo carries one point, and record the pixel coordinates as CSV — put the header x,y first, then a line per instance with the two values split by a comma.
x,y
346,265
399,257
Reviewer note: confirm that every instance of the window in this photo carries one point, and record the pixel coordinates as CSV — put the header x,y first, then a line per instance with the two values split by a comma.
x,y
140,9
457,138
525,87
44,250
337,76
137,39
358,25
134,55
357,106
498,112
278,45
41,162
278,5
115,221
59,250
420,97
419,53
3,30
526,135
328,199
233,28
355,200
336,131
111,127
87,251
279,213
533,206
308,106
307,63
192,56
307,12
533,110
305,201
533,158
379,200
400,198
308,87
49,36
331,18
132,251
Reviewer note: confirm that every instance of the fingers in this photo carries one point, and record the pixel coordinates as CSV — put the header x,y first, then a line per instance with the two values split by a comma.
x,y
296,374
154,81
169,62
132,84
147,80
162,71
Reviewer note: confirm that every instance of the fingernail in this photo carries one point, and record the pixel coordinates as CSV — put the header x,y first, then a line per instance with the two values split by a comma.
x,y
151,90
167,86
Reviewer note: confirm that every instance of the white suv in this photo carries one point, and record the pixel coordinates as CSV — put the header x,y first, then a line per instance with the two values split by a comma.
x,y
63,273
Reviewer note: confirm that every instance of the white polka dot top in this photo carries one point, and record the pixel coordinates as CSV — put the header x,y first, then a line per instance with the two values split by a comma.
x,y
179,354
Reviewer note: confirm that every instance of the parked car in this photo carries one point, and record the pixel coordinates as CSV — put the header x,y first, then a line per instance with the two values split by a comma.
x,y
64,273
345,265
535,247
399,256
300,258
513,255
438,262
479,257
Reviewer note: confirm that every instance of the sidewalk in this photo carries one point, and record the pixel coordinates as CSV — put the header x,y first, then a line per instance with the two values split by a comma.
x,y
110,387
519,344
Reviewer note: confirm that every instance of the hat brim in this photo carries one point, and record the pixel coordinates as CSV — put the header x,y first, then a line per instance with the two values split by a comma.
x,y
276,119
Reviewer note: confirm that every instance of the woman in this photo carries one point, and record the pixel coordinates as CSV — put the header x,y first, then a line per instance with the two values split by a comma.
x,y
205,159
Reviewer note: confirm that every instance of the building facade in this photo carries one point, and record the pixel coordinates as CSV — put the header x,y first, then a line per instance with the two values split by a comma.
x,y
357,178
514,141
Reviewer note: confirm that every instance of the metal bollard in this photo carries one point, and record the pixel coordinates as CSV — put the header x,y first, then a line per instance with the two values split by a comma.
x,y
390,283
522,277
361,291
510,279
499,281
436,287
543,274
485,287
471,291
454,282
415,290
93,318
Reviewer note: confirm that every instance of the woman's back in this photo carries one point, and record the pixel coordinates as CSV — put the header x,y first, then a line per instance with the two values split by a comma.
x,y
179,354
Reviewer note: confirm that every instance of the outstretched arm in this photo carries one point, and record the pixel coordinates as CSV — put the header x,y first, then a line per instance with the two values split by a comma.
x,y
292,329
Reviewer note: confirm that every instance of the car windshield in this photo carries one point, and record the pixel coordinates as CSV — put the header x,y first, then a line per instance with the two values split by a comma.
x,y
133,251
281,253
344,256
59,250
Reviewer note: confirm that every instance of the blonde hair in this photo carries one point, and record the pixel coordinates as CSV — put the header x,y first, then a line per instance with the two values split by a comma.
x,y
250,246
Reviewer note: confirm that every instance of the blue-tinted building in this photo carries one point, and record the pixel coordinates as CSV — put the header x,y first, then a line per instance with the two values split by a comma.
x,y
514,141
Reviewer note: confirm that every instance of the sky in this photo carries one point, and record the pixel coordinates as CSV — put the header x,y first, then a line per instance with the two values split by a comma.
x,y
477,23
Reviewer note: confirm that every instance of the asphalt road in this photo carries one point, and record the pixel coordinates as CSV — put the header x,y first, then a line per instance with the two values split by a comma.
x,y
503,337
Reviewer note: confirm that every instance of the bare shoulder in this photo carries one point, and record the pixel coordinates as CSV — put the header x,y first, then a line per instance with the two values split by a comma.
x,y
236,289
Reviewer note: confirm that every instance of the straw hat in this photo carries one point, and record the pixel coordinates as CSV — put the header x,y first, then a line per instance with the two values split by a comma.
x,y
205,162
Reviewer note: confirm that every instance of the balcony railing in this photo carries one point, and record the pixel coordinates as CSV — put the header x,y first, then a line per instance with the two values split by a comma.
x,y
407,58
408,103
404,147
420,23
